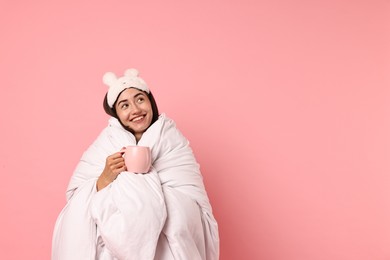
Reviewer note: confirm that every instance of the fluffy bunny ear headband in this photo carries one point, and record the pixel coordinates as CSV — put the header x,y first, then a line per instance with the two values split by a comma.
x,y
117,85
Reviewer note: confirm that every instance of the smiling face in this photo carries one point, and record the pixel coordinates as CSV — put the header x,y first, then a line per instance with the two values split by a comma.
x,y
134,110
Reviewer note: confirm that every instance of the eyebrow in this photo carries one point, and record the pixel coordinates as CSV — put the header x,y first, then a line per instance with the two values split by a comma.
x,y
135,96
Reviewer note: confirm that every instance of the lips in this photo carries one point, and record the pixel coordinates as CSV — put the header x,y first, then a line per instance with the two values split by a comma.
x,y
137,119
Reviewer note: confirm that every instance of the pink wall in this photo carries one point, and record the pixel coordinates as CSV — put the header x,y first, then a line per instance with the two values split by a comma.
x,y
286,104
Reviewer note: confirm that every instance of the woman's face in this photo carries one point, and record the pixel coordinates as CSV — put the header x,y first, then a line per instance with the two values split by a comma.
x,y
134,110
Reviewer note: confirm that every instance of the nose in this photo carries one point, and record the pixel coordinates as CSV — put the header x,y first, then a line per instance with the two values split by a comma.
x,y
136,109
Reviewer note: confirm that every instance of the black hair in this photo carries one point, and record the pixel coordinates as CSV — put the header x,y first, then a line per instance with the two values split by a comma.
x,y
112,111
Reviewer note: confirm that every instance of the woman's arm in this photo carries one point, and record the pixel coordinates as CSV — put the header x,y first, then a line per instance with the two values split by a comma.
x,y
115,164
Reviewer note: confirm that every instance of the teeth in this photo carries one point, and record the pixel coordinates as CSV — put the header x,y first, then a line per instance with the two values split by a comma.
x,y
138,118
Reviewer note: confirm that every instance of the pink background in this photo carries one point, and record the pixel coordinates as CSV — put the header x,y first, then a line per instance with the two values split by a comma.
x,y
286,105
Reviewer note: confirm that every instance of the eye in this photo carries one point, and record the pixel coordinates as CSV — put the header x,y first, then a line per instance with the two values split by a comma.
x,y
140,100
124,106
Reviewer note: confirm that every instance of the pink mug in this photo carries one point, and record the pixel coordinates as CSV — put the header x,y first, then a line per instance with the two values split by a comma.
x,y
138,159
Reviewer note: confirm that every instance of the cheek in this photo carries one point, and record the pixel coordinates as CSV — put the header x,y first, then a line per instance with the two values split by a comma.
x,y
148,107
122,115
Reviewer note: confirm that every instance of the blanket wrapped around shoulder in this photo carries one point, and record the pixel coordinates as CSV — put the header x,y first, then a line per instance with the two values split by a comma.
x,y
164,214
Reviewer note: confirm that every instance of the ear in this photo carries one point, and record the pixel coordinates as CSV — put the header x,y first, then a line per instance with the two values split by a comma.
x,y
109,78
131,73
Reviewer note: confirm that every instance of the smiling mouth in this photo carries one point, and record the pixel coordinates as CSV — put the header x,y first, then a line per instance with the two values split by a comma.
x,y
138,118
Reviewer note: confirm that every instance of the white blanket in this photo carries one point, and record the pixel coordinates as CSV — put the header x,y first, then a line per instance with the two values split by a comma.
x,y
164,214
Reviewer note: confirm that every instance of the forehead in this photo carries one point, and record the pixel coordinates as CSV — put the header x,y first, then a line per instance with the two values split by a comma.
x,y
130,93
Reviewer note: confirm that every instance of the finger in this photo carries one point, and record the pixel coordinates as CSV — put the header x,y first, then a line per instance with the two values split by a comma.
x,y
116,155
117,171
119,166
113,161
117,159
117,162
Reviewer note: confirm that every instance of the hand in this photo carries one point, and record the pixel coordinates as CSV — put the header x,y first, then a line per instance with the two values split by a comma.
x,y
115,164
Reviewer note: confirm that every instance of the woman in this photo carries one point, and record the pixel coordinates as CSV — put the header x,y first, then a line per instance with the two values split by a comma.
x,y
115,214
